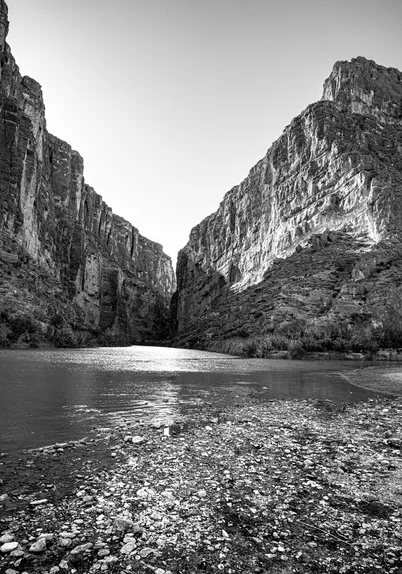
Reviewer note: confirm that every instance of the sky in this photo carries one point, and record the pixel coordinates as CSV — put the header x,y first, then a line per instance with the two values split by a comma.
x,y
172,102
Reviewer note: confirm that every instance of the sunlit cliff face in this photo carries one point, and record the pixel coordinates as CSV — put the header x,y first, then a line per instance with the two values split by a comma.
x,y
336,168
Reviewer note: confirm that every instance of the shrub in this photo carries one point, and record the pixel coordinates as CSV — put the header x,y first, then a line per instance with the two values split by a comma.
x,y
392,319
84,339
364,337
280,342
5,332
295,349
64,337
293,329
21,323
57,320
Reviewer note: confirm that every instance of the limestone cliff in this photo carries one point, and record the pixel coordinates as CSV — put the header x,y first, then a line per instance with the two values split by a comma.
x,y
65,258
307,235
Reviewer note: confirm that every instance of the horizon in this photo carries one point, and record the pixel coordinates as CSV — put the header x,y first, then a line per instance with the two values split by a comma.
x,y
173,122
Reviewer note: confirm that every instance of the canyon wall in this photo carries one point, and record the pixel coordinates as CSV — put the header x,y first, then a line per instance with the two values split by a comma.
x,y
313,233
65,258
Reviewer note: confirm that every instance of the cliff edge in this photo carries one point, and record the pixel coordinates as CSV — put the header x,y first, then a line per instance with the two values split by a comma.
x,y
71,271
311,237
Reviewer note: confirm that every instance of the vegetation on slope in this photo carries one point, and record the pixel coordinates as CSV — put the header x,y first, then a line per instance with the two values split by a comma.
x,y
299,337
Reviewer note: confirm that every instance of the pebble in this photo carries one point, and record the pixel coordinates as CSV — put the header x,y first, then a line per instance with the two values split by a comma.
x,y
6,538
145,492
3,498
103,552
146,552
128,548
67,534
8,547
38,502
17,553
38,546
47,536
137,439
81,548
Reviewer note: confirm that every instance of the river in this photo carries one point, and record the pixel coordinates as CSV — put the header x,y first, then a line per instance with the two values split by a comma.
x,y
49,396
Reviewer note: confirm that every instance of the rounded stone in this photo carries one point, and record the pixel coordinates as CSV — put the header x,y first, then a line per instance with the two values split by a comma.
x,y
38,546
8,547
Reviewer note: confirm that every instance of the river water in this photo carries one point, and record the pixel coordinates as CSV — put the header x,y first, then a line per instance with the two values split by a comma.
x,y
49,396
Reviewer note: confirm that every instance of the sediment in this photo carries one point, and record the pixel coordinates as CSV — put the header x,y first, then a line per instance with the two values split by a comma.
x,y
283,486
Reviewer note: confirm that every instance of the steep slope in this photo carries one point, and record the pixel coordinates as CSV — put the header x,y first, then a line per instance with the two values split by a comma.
x,y
300,238
67,263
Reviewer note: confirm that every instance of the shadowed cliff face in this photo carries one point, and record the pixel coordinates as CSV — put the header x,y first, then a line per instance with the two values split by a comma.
x,y
103,273
333,177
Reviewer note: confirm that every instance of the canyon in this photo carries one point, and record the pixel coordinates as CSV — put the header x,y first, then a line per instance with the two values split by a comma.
x,y
71,271
305,253
310,241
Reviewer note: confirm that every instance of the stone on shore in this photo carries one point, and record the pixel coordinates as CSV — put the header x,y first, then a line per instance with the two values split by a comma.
x,y
7,537
38,546
128,548
8,547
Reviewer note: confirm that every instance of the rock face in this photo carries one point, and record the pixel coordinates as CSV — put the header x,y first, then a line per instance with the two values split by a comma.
x,y
314,231
61,247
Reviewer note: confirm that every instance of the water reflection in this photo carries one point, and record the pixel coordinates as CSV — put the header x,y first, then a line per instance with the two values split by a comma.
x,y
58,395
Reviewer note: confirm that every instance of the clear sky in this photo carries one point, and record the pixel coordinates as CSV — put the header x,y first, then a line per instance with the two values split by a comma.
x,y
171,102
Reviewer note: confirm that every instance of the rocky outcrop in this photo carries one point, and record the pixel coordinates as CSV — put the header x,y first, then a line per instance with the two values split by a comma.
x,y
110,279
315,220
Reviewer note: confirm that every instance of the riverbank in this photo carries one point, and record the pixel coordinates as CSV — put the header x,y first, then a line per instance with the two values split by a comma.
x,y
270,347
287,486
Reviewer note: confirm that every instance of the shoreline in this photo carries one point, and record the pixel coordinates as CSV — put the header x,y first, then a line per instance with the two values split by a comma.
x,y
284,486
383,355
375,378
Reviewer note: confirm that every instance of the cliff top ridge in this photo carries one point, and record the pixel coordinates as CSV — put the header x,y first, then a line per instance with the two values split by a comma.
x,y
3,7
3,23
364,87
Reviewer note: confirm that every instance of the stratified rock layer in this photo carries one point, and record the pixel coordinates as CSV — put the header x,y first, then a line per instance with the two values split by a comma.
x,y
307,234
85,261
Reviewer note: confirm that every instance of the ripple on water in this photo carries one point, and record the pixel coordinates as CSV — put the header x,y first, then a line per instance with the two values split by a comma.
x,y
49,396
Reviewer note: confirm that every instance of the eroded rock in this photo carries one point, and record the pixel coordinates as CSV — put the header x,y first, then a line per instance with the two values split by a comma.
x,y
314,230
59,240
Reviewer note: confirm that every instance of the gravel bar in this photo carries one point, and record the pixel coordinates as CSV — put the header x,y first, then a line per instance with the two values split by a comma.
x,y
283,486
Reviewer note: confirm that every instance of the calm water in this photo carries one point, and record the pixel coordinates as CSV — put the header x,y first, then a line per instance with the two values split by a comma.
x,y
49,396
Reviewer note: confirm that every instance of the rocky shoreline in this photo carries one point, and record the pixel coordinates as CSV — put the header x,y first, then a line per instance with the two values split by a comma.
x,y
285,486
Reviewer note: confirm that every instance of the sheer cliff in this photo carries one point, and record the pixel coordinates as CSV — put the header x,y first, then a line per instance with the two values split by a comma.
x,y
312,235
68,265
